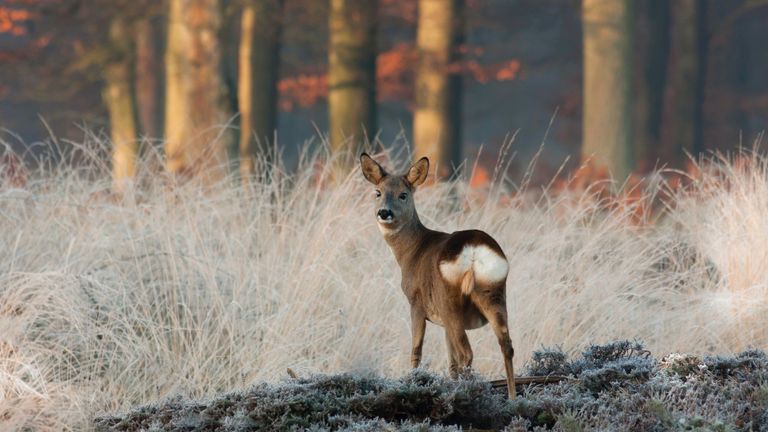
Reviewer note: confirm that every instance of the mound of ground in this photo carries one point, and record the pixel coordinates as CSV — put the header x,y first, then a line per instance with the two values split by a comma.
x,y
618,386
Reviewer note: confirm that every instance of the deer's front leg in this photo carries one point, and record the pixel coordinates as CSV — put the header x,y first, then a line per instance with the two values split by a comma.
x,y
418,326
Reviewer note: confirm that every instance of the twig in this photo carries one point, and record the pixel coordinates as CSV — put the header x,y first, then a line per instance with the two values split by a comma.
x,y
528,380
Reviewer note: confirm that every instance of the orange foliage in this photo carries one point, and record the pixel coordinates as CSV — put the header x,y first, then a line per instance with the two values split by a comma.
x,y
394,76
394,73
484,73
12,20
504,71
480,178
508,71
302,90
631,198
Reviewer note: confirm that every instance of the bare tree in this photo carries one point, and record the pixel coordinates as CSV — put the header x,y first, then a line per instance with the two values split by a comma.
x,y
651,60
149,85
687,71
352,74
120,103
607,115
259,59
437,118
196,106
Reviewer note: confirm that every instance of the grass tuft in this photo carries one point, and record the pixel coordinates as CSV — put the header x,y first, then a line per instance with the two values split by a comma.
x,y
111,302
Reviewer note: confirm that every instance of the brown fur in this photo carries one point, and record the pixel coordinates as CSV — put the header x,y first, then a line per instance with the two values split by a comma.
x,y
457,306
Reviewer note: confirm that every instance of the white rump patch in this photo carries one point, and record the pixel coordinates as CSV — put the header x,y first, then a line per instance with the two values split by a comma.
x,y
487,267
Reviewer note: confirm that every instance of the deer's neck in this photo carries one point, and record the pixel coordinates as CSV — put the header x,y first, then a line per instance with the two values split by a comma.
x,y
406,241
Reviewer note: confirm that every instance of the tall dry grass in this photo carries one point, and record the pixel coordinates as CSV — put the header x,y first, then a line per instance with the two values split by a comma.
x,y
106,304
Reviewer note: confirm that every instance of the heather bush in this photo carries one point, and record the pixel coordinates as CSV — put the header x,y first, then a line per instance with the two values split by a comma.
x,y
548,361
418,401
617,386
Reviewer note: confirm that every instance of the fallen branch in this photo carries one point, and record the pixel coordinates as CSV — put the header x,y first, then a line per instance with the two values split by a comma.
x,y
528,380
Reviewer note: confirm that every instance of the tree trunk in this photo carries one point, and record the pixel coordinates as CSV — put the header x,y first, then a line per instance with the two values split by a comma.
x,y
651,60
351,76
196,107
437,118
118,97
148,78
259,54
740,68
607,131
687,80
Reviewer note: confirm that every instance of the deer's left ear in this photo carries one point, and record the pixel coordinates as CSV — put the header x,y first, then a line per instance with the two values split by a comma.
x,y
418,172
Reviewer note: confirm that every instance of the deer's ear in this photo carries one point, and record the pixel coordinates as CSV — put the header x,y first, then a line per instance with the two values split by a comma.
x,y
418,172
372,171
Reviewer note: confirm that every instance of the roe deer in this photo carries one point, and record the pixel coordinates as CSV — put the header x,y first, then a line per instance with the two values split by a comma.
x,y
456,280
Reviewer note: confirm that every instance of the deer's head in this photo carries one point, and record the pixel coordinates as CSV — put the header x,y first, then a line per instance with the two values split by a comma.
x,y
394,206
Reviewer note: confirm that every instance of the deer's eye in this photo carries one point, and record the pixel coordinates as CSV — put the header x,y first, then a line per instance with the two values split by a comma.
x,y
378,194
403,196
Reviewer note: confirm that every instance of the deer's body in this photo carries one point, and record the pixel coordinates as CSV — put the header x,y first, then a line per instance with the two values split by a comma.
x,y
457,280
438,269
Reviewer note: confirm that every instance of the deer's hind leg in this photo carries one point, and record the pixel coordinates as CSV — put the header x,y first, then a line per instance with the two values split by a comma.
x,y
459,348
453,365
495,311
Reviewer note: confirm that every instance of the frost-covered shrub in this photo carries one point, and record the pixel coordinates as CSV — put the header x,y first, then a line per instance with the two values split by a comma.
x,y
417,401
518,424
631,370
682,365
362,424
548,361
744,363
598,356
613,357
616,386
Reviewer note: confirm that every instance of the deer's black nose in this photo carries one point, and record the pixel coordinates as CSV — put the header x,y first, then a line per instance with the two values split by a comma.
x,y
385,214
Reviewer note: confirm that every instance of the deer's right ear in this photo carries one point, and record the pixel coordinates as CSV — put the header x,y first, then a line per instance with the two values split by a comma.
x,y
372,171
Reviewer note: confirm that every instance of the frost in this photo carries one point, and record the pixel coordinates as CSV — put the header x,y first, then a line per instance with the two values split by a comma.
x,y
616,386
